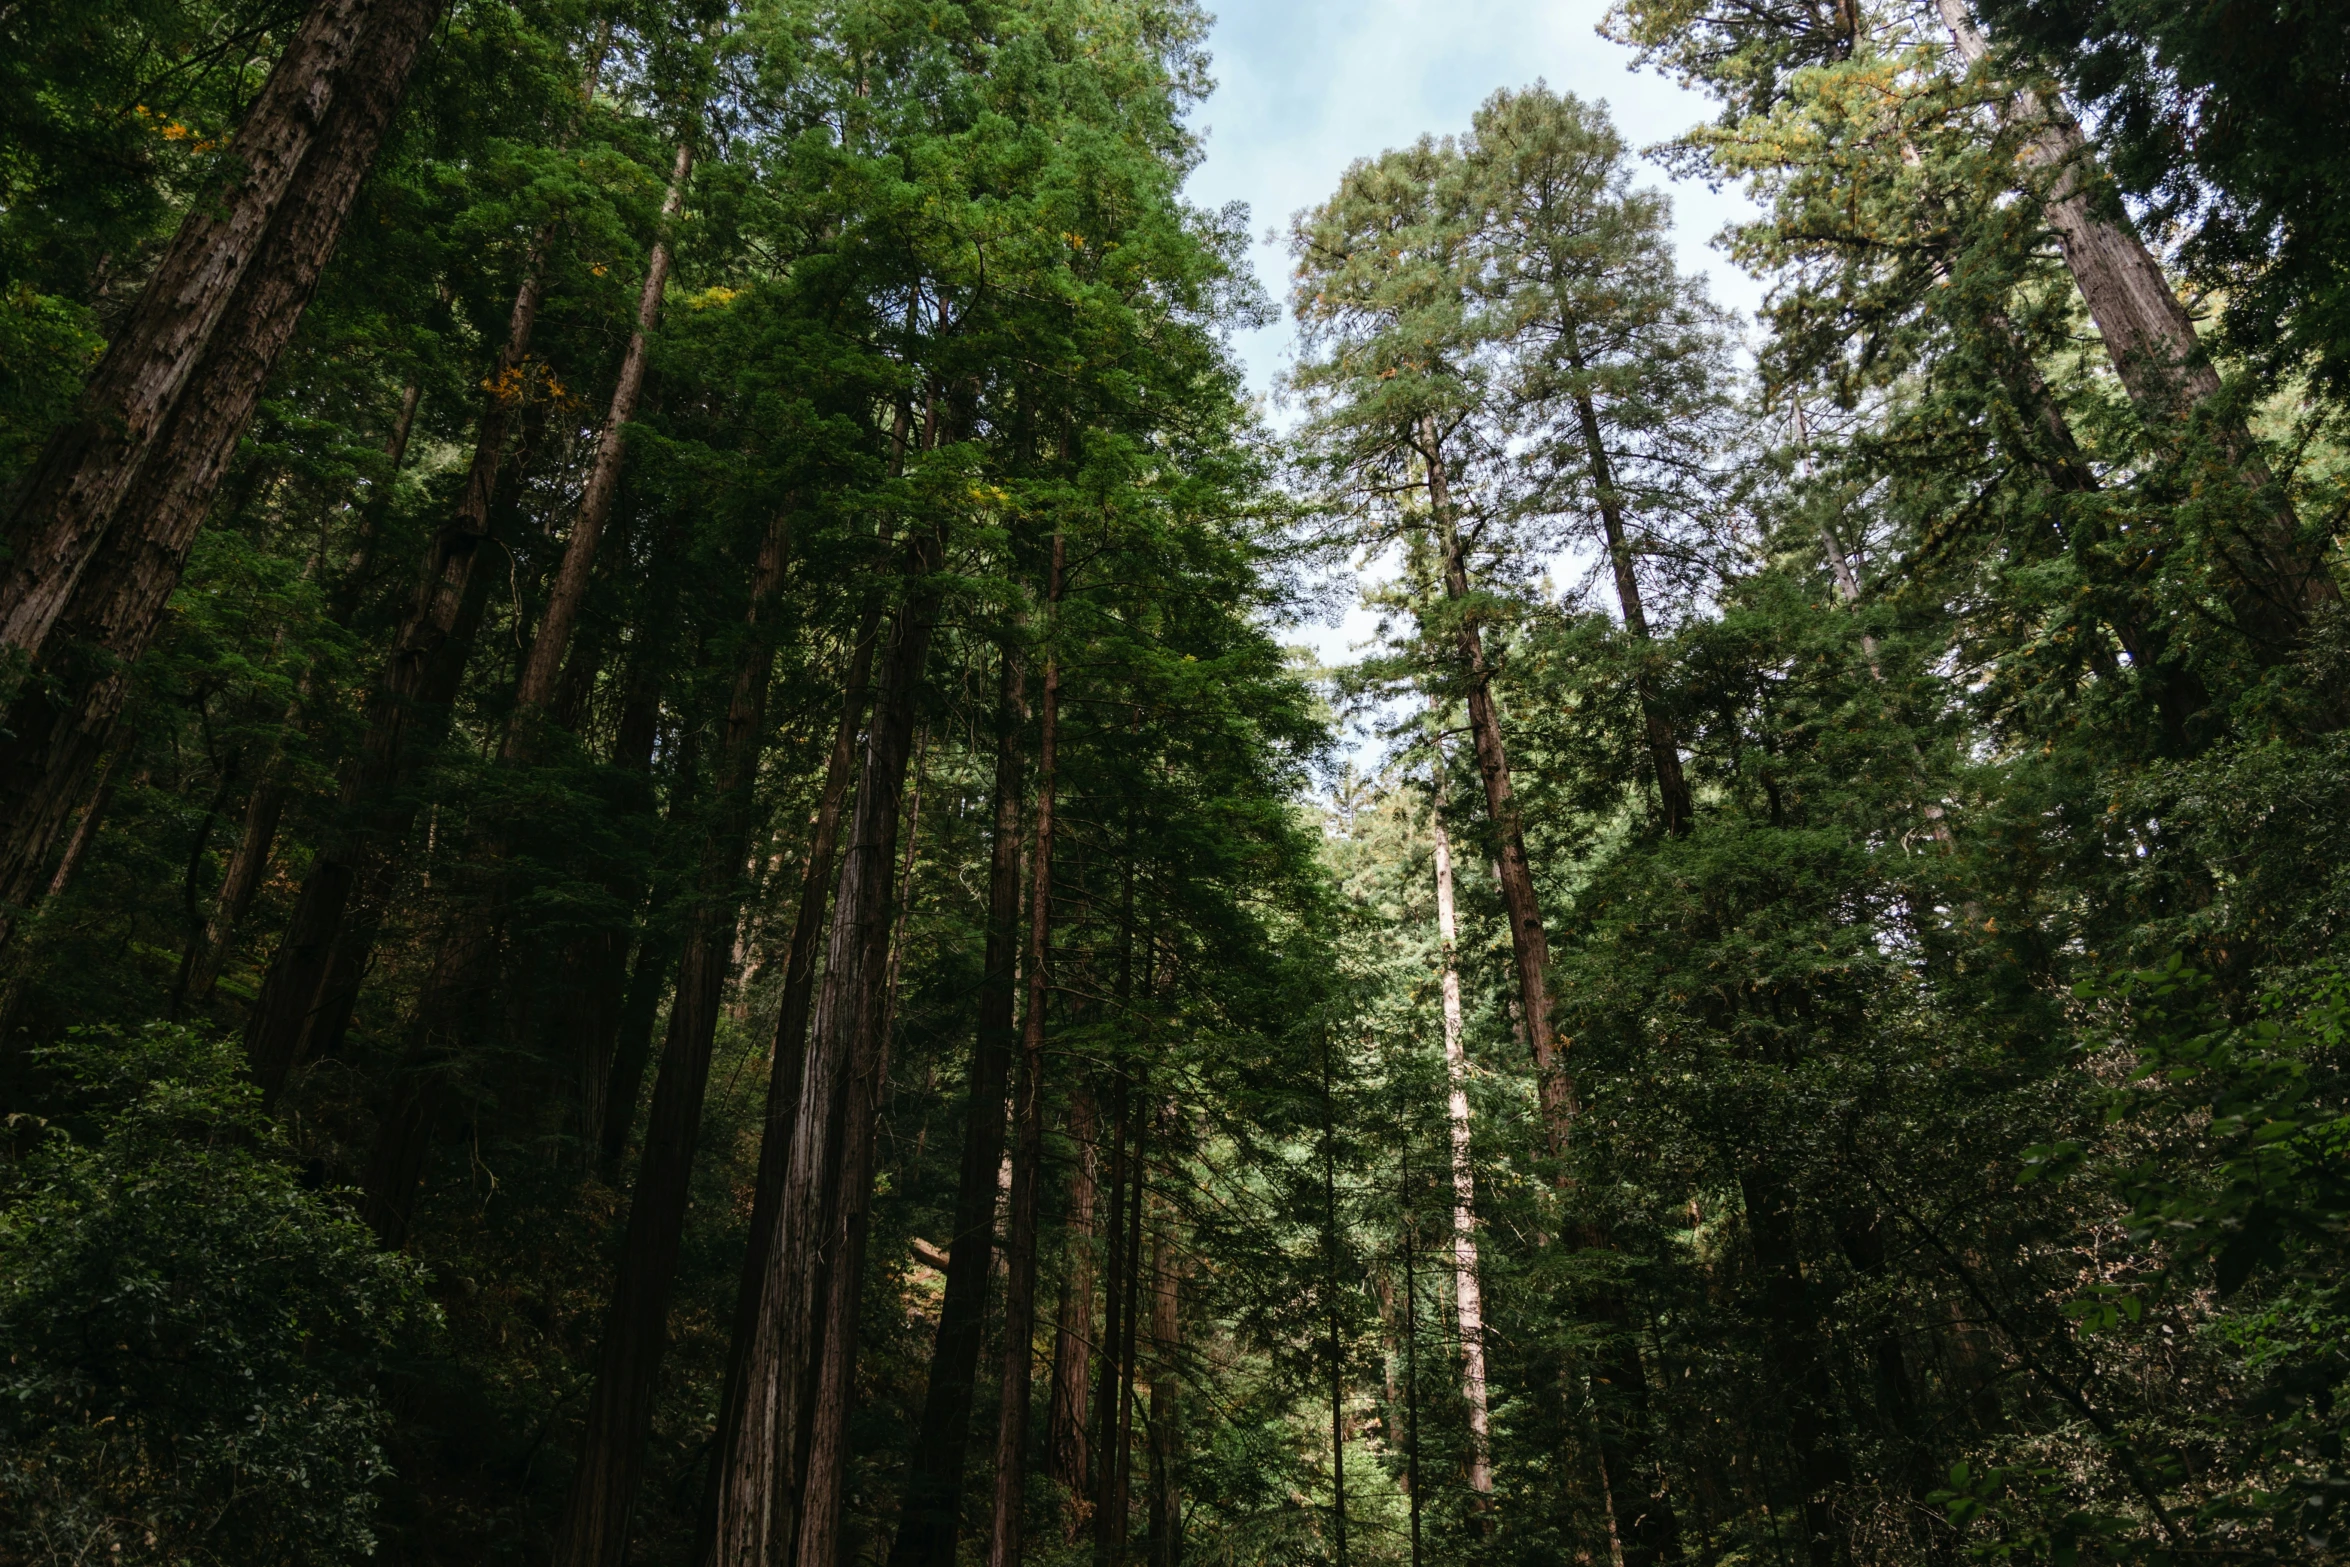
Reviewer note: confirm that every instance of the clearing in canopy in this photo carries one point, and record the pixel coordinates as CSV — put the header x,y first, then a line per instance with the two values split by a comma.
x,y
679,886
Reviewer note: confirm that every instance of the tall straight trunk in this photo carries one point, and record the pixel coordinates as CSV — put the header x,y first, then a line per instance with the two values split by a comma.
x,y
931,1516
1664,751
1073,1329
2154,348
293,168
1468,1297
1129,1341
406,714
1411,1360
535,686
787,1056
1011,1444
1166,1413
769,1475
1529,944
1330,1288
852,1039
595,1526
102,527
1106,1411
265,806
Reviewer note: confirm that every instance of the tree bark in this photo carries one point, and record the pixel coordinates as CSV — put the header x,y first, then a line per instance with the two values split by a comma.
x,y
1664,749
2154,348
794,1392
1166,1412
1073,1329
102,527
536,684
1529,945
787,1057
1113,1357
931,1516
1468,1298
1009,1514
595,1527
265,807
406,715
295,164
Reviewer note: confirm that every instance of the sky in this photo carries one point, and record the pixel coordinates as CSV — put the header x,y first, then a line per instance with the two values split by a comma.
x,y
1305,87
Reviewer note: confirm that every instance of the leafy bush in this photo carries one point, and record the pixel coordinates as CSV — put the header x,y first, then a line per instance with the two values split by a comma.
x,y
190,1335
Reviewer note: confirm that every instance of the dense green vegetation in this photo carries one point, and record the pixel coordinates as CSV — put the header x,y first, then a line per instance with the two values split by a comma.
x,y
669,897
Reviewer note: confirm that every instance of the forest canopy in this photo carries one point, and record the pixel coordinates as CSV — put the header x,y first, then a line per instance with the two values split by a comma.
x,y
673,888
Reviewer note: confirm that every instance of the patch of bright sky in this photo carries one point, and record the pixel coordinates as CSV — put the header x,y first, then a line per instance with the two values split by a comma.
x,y
1305,87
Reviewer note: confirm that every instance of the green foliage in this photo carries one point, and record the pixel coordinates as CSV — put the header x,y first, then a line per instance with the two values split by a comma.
x,y
193,1333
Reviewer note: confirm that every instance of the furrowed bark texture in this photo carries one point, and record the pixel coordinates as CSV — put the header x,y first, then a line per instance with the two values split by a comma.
x,y
346,55
931,1515
1529,944
1468,1297
103,525
852,1038
767,1493
1004,1546
320,953
787,1057
595,1527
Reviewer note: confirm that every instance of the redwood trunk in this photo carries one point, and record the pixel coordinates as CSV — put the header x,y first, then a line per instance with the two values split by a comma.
x,y
536,684
769,1477
787,1057
102,527
2154,348
1073,1329
1009,1514
931,1517
1529,944
1664,749
1468,1297
295,164
595,1527
265,807
405,716
1166,1412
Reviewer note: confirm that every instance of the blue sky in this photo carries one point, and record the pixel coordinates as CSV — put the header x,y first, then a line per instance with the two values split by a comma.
x,y
1304,87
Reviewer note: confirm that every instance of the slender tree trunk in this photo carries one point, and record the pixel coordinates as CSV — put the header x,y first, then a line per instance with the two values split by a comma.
x,y
1120,1514
1004,1547
1807,1385
1664,749
1166,1414
266,805
536,685
931,1516
1073,1329
406,714
102,527
1330,1286
1467,1296
1113,1357
1411,1360
595,1527
2152,342
1529,945
768,1482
